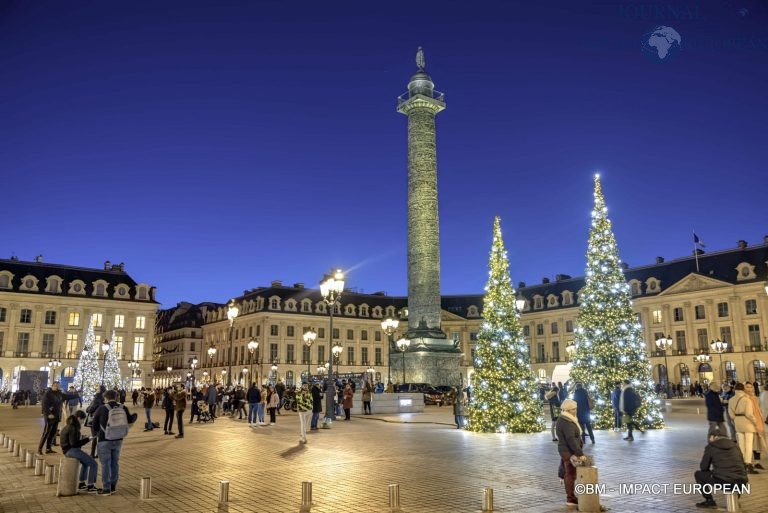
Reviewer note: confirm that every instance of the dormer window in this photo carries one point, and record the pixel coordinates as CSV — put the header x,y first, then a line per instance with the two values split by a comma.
x,y
391,311
321,307
306,305
274,303
472,311
745,271
290,305
142,293
349,310
5,280
538,302
77,287
29,283
364,310
53,284
336,309
377,311
552,301
100,288
567,298
653,285
634,286
121,291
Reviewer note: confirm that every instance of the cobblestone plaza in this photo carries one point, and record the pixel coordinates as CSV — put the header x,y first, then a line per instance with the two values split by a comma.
x,y
438,468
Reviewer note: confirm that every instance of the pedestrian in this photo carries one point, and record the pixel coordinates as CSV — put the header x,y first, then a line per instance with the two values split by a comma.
x,y
135,397
584,405
367,394
759,442
570,443
304,406
51,408
96,402
727,395
147,403
458,408
211,399
347,400
317,405
720,465
262,407
195,395
169,410
112,420
615,398
554,409
74,402
180,404
254,399
273,401
714,410
740,408
239,403
71,443
562,391
764,402
629,403
280,389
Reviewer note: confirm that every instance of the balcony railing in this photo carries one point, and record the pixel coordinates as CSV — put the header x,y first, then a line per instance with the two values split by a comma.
x,y
436,95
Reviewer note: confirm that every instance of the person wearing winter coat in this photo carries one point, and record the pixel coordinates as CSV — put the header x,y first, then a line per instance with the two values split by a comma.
x,y
109,450
304,407
582,399
759,442
51,409
367,393
211,400
629,403
715,415
180,405
741,410
569,444
615,398
254,399
168,407
148,403
553,399
71,443
347,400
721,464
273,401
317,406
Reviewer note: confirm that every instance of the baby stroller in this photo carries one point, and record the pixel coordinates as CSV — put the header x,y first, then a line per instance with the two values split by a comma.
x,y
204,413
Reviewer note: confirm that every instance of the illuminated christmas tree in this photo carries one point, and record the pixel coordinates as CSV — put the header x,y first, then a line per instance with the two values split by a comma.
x,y
504,391
609,339
111,368
87,374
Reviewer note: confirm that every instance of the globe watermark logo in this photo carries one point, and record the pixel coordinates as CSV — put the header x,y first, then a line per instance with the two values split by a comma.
x,y
661,44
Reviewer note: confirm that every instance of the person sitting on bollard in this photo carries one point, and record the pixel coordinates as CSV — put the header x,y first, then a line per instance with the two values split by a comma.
x,y
71,442
569,444
721,465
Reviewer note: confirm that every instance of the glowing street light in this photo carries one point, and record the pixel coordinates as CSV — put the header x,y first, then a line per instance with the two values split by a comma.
x,y
402,345
389,326
331,288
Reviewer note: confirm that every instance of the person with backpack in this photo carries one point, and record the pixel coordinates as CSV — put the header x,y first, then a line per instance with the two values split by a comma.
x,y
112,420
304,407
71,442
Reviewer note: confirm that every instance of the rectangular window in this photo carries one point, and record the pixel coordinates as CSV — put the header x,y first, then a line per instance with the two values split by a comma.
x,y
377,336
539,329
725,335
141,322
25,317
677,313
554,328
273,354
250,331
289,331
2,314
48,343
117,345
291,353
71,345
335,333
119,321
258,330
320,332
376,355
656,336
722,309
526,330
50,317
540,353
138,348
754,334
750,306
364,356
556,351
274,329
569,326
363,334
701,336
22,345
350,334
472,336
192,347
2,340
321,354
700,313
350,355
98,320
657,316
456,336
680,339
306,354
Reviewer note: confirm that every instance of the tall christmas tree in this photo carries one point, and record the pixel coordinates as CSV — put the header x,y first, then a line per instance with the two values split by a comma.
x,y
609,339
111,368
87,374
504,390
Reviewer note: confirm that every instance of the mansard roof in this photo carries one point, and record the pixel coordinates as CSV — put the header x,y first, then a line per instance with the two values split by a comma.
x,y
114,276
347,298
183,315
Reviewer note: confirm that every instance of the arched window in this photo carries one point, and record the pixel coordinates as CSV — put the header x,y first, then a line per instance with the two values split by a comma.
x,y
685,375
758,368
289,378
730,371
661,371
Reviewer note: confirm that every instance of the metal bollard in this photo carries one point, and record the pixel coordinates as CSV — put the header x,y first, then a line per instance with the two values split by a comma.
x,y
306,493
223,491
2,438
7,442
732,502
145,488
39,465
16,449
22,454
394,497
487,499
12,446
29,461
50,474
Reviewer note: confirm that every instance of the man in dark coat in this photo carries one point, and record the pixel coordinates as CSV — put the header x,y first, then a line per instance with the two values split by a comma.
x,y
722,464
212,399
715,414
53,400
569,444
584,412
629,404
98,400
317,405
615,398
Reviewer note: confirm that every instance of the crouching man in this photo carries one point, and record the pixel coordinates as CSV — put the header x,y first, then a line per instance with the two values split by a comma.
x,y
722,464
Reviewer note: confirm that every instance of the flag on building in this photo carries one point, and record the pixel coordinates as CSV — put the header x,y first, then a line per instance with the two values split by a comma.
x,y
697,240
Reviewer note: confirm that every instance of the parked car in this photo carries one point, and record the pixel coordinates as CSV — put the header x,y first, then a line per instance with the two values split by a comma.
x,y
431,394
448,394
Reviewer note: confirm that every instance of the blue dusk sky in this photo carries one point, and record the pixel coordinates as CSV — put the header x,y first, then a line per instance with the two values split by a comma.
x,y
216,146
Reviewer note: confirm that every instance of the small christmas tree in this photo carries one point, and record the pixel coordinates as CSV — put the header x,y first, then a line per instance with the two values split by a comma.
x,y
111,368
87,375
609,339
504,390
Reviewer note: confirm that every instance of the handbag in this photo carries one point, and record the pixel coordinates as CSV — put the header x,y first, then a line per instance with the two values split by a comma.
x,y
561,470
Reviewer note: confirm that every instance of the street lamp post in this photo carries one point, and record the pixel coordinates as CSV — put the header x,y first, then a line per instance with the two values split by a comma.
x,y
274,371
193,365
54,364
104,349
133,365
402,345
309,337
331,288
719,347
252,346
232,312
389,326
169,369
336,350
664,343
245,376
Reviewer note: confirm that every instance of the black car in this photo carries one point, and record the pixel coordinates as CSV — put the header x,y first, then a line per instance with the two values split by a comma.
x,y
431,394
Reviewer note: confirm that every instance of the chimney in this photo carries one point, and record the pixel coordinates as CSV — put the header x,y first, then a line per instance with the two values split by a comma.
x,y
298,286
521,285
277,283
742,244
545,280
107,265
625,266
562,277
659,260
122,267
39,259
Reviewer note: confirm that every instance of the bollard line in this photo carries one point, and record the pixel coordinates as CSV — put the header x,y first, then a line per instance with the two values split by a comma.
x,y
487,499
306,493
145,488
223,492
394,497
